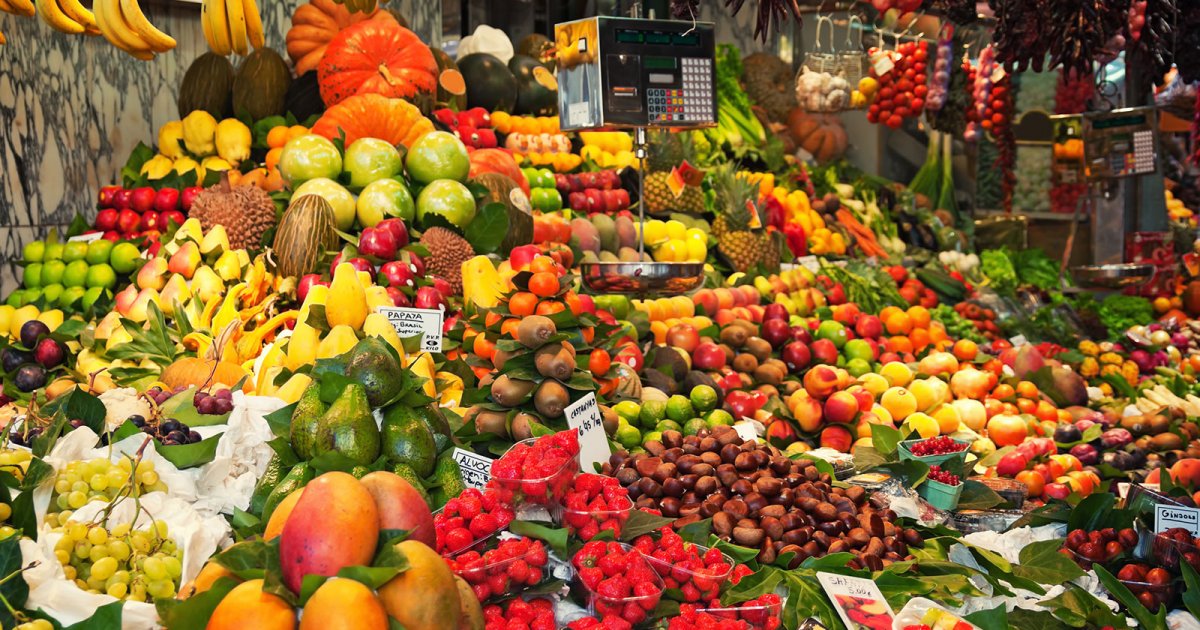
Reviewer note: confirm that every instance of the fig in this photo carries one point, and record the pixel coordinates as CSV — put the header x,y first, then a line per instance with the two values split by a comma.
x,y
510,392
12,358
551,398
535,330
30,377
555,361
1086,454
32,331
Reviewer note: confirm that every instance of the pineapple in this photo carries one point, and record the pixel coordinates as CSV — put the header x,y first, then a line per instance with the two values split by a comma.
x,y
736,241
666,151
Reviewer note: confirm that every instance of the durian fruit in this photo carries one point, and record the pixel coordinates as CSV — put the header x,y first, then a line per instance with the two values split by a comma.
x,y
247,212
448,251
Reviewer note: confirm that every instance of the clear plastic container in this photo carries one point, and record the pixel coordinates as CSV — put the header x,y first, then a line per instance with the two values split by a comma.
x,y
548,491
1168,552
600,606
954,462
579,522
675,576
496,575
475,543
755,616
1163,594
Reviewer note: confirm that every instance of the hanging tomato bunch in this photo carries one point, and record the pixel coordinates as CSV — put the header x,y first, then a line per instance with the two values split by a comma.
x,y
902,83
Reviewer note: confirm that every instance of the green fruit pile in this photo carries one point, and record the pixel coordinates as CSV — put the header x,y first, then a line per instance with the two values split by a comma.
x,y
73,275
639,423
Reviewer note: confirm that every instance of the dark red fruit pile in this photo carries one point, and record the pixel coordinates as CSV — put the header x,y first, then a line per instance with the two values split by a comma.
x,y
619,579
756,614
611,622
902,90
1151,585
1101,545
697,573
469,517
596,503
514,564
943,476
941,445
1174,545
540,472
535,614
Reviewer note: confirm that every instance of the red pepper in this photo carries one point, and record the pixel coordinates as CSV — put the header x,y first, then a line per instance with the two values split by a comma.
x,y
775,212
797,240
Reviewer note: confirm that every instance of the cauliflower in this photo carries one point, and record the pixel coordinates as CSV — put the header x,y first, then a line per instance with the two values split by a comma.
x,y
121,403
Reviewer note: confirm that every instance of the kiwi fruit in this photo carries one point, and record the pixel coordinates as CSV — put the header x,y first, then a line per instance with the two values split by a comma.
x,y
494,422
551,398
510,392
767,373
500,358
609,418
521,429
759,347
745,362
555,361
535,330
734,336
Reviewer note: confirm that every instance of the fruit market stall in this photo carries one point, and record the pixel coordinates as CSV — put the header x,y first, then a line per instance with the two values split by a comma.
x,y
374,335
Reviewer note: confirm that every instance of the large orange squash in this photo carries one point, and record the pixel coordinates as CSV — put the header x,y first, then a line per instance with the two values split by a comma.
x,y
376,57
374,116
314,25
497,161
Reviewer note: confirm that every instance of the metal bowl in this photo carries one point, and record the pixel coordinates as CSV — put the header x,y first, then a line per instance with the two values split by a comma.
x,y
1112,276
641,278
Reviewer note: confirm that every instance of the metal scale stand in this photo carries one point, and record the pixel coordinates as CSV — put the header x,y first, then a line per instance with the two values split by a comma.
x,y
619,73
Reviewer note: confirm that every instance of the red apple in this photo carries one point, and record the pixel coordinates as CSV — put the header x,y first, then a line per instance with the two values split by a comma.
x,y
128,222
1057,491
106,219
397,228
823,351
775,311
166,200
112,235
708,356
151,221
142,199
107,197
868,327
398,297
796,356
443,287
397,274
377,242
776,331
171,217
430,298
307,282
802,334
1011,464
631,355
122,198
188,195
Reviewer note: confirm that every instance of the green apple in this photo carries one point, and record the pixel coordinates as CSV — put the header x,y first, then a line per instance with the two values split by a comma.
x,y
309,157
70,296
74,250
102,276
16,299
124,258
75,274
384,198
54,251
438,155
98,251
52,271
51,292
370,159
35,251
338,197
445,200
32,277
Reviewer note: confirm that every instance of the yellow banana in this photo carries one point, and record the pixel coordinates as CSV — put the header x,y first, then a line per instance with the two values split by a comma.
x,y
114,29
81,14
254,26
218,26
51,14
136,19
237,26
22,7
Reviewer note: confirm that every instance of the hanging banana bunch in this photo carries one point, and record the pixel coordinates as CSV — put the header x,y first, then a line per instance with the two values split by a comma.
x,y
25,8
125,26
231,26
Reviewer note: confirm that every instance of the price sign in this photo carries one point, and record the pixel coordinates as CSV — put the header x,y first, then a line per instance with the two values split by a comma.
x,y
410,322
476,469
810,263
86,238
859,601
745,430
583,415
1168,516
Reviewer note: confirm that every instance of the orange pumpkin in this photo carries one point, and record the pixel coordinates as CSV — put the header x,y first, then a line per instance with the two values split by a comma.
x,y
315,24
497,161
192,371
373,116
376,58
822,135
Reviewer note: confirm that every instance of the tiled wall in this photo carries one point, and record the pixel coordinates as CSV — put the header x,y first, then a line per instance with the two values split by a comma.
x,y
72,108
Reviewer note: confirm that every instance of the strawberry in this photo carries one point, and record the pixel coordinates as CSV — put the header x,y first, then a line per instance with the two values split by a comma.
x,y
591,577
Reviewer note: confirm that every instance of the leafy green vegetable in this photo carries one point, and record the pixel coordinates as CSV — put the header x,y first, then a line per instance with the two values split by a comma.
x,y
1035,268
1119,312
998,267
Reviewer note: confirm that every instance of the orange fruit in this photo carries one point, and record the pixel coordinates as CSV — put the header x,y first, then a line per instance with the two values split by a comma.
x,y
1025,405
492,318
483,348
588,334
1026,389
522,304
887,312
573,302
965,350
1003,391
919,316
1045,411
1033,481
542,263
543,283
550,307
272,160
599,362
937,334
899,323
509,328
277,137
899,344
295,131
919,338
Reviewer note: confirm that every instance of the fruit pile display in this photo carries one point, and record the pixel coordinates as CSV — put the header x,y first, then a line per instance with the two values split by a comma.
x,y
902,89
143,213
1099,546
593,192
470,517
619,580
509,568
596,503
473,126
73,276
697,573
544,195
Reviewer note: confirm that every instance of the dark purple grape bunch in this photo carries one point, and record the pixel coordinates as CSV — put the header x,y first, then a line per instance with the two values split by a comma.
x,y
21,437
217,404
169,432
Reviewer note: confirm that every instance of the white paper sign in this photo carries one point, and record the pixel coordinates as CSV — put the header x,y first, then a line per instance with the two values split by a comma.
x,y
584,416
410,322
476,469
86,238
859,601
1168,516
810,263
746,430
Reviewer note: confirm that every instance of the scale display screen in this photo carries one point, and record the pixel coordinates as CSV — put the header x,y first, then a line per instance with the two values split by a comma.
x,y
623,73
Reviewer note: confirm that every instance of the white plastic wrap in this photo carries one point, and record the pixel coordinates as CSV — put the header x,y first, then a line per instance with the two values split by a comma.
x,y
241,458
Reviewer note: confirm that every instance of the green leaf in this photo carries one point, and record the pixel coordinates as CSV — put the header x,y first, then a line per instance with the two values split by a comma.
x,y
332,461
828,562
912,472
1122,594
1042,563
280,420
44,442
79,405
391,556
806,598
1079,608
697,533
1191,592
193,613
373,577
488,229
753,586
1033,620
15,591
106,617
977,496
885,439
642,522
309,585
1098,511
190,455
250,559
131,173
555,538
991,619
866,458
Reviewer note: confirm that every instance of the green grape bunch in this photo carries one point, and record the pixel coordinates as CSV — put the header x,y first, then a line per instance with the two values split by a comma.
x,y
129,564
82,482
15,461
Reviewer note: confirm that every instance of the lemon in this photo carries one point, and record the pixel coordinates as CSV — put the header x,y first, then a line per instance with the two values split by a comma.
x,y
676,230
169,137
6,316
696,252
654,232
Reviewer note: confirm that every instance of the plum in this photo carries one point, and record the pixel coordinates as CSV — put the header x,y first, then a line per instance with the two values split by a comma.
x,y
1067,433
12,358
1115,438
30,377
31,331
1086,454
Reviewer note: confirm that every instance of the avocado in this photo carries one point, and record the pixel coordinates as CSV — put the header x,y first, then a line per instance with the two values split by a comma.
x,y
408,440
360,471
349,428
308,413
448,475
408,474
372,365
262,490
297,477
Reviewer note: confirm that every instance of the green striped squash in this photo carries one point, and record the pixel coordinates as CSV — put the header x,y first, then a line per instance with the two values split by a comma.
x,y
306,232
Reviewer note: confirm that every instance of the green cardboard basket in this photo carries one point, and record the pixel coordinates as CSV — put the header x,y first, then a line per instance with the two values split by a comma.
x,y
952,462
940,495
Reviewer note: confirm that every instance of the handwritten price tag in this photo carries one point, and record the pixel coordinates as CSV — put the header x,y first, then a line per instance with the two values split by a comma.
x,y
1168,516
476,469
410,322
583,415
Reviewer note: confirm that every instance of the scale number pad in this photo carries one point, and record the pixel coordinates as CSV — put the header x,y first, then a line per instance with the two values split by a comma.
x,y
691,103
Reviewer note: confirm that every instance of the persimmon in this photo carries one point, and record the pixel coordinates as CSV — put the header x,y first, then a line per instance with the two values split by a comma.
x,y
543,283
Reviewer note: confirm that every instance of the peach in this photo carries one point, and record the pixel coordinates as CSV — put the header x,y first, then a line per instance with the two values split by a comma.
x,y
874,383
837,437
706,299
865,398
841,407
1007,430
971,383
741,312
750,294
756,312
808,413
821,381
1186,472
972,413
724,297
724,317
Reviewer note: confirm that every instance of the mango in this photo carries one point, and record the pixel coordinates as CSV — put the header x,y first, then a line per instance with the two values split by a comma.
x,y
246,602
342,604
400,506
472,611
349,298
209,574
425,596
280,516
336,525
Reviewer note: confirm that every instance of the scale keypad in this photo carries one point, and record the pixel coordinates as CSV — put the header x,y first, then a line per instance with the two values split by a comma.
x,y
691,103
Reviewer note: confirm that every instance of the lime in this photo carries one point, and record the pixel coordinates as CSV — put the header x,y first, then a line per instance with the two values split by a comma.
x,y
833,331
71,295
75,275
35,251
704,398
679,408
51,292
52,271
74,250
91,296
653,412
101,275
124,258
652,436
628,436
718,417
31,296
54,251
32,276
98,251
694,426
628,411
858,367
16,299
858,349
668,425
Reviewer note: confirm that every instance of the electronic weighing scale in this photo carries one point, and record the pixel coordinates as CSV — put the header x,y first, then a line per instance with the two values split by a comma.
x,y
618,73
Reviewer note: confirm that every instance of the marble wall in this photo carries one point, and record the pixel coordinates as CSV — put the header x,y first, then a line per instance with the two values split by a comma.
x,y
73,107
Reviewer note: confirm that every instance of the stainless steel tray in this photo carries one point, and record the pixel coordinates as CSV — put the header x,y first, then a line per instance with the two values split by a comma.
x,y
1112,276
641,278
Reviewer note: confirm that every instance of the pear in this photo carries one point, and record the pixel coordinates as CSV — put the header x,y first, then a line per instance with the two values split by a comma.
x,y
228,267
152,275
215,243
206,284
349,428
185,261
190,230
176,293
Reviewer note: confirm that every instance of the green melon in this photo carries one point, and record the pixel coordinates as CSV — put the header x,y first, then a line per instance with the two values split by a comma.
x,y
207,85
490,84
261,85
537,90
